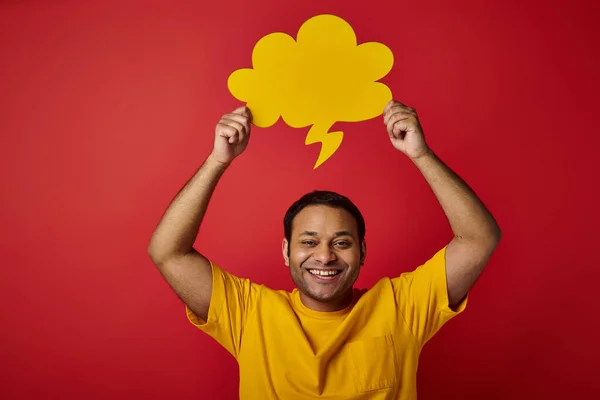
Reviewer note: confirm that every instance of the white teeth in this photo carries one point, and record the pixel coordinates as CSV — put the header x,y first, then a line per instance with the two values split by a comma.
x,y
322,273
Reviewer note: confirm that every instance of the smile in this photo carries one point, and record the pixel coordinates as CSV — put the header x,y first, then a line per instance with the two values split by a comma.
x,y
325,273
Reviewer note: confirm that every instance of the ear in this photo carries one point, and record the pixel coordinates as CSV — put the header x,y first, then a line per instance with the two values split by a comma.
x,y
284,250
363,252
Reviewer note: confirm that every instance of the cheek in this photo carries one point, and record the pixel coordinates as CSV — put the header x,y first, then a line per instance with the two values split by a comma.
x,y
350,257
299,256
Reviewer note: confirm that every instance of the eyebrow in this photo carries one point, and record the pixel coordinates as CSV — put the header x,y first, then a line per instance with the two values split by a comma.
x,y
337,234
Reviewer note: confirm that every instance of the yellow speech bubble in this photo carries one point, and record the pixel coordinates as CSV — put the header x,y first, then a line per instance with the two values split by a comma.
x,y
319,79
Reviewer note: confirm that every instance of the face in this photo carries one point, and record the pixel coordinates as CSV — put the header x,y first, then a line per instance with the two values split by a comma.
x,y
324,256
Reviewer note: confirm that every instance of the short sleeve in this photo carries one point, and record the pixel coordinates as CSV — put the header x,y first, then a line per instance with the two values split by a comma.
x,y
229,306
422,298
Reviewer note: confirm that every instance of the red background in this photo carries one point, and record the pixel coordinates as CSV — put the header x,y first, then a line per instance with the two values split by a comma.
x,y
109,107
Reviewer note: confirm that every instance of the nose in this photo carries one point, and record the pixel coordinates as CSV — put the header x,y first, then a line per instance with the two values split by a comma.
x,y
324,254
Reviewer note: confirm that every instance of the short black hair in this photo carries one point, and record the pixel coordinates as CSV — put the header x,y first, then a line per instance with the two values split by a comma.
x,y
326,198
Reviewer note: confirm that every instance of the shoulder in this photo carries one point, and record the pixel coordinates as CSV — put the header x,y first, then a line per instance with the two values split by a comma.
x,y
382,289
265,295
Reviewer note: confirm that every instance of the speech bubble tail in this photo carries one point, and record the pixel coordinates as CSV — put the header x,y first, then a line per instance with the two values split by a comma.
x,y
330,141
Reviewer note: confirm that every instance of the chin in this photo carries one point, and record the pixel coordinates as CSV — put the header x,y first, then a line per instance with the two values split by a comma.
x,y
322,297
325,295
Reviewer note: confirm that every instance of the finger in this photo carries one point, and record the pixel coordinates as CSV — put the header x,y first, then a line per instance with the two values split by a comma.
x,y
226,131
396,138
248,113
240,124
399,103
234,139
395,134
396,103
392,118
245,121
396,127
397,110
243,110
240,136
392,107
389,105
402,126
230,133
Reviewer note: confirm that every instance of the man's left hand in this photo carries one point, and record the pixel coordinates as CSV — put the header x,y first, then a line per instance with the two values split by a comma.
x,y
404,129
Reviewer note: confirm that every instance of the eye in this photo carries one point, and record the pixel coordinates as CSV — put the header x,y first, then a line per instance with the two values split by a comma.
x,y
308,242
342,243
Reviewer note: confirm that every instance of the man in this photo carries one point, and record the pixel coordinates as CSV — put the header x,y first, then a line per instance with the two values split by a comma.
x,y
325,339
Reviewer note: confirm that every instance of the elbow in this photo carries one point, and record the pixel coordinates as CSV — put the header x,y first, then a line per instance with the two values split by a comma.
x,y
495,234
153,253
486,240
162,254
157,254
490,240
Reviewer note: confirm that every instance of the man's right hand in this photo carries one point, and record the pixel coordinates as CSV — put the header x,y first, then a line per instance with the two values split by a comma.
x,y
231,135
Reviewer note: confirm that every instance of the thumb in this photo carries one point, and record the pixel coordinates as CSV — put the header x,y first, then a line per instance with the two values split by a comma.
x,y
398,127
243,110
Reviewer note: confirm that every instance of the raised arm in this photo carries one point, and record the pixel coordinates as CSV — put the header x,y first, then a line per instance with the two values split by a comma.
x,y
476,233
171,246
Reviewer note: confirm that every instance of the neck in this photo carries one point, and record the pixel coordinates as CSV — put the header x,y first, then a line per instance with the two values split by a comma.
x,y
328,306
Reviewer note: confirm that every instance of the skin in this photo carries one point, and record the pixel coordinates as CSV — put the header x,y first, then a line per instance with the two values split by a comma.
x,y
324,238
476,233
171,246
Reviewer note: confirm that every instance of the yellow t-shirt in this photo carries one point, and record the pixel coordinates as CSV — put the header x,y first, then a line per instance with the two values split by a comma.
x,y
369,350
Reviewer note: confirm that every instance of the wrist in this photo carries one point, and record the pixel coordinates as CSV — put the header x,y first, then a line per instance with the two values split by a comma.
x,y
214,161
423,156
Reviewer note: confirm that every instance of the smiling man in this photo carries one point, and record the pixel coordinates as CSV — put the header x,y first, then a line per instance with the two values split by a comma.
x,y
326,233
325,339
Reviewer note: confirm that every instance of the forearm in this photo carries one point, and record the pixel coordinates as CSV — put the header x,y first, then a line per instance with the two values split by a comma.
x,y
469,219
177,230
